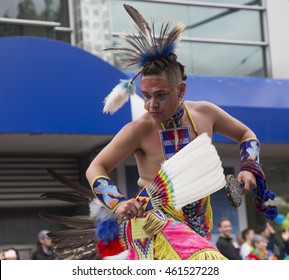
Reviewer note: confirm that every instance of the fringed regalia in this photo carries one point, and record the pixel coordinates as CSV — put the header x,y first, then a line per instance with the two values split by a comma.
x,y
165,233
177,213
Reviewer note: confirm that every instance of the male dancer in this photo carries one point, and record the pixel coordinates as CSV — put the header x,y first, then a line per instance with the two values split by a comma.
x,y
168,125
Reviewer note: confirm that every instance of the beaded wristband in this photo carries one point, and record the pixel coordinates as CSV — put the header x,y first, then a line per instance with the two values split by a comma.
x,y
249,152
106,191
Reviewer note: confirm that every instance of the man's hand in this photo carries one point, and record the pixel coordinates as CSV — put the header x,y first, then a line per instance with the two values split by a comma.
x,y
129,209
249,180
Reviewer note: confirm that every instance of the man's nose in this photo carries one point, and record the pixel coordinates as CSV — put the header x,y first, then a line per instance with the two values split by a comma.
x,y
155,103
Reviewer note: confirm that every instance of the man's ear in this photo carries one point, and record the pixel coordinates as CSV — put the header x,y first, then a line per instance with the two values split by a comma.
x,y
182,90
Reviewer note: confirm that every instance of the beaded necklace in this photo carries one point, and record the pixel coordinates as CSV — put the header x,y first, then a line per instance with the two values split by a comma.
x,y
174,137
175,120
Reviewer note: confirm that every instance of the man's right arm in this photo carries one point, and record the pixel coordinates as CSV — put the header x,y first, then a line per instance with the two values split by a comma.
x,y
121,147
124,144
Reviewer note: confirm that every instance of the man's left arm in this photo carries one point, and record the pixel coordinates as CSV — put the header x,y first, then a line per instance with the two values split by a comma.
x,y
227,125
251,173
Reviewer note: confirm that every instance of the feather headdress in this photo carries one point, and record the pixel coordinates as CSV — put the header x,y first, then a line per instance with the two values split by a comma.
x,y
144,46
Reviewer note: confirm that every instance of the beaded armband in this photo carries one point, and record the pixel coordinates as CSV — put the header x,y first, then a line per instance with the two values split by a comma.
x,y
250,150
106,191
249,153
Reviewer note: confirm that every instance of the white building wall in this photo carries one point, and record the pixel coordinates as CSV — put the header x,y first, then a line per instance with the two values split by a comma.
x,y
93,27
278,36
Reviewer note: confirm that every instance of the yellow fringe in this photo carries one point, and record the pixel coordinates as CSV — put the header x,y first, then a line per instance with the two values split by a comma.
x,y
173,212
163,249
153,224
207,254
209,214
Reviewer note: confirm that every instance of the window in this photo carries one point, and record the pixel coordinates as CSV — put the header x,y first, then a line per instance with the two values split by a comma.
x,y
221,38
43,18
222,59
240,2
26,30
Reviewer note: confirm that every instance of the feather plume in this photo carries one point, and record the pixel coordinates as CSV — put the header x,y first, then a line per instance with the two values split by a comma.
x,y
139,20
77,243
146,45
72,238
107,230
79,222
68,197
74,244
199,175
71,233
87,252
118,96
99,212
81,190
80,255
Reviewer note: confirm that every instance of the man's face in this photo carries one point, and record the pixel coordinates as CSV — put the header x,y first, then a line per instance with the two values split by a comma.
x,y
46,241
225,228
162,98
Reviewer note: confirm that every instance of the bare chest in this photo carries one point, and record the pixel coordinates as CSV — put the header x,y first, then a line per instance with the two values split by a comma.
x,y
153,152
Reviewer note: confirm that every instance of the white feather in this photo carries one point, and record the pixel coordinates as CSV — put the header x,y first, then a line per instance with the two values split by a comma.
x,y
99,212
118,96
195,171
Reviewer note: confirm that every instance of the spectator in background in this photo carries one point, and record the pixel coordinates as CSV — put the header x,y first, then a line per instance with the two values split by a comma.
x,y
226,245
239,239
266,230
44,247
9,254
285,237
246,247
259,251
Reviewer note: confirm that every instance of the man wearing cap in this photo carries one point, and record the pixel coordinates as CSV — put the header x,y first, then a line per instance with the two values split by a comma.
x,y
44,247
